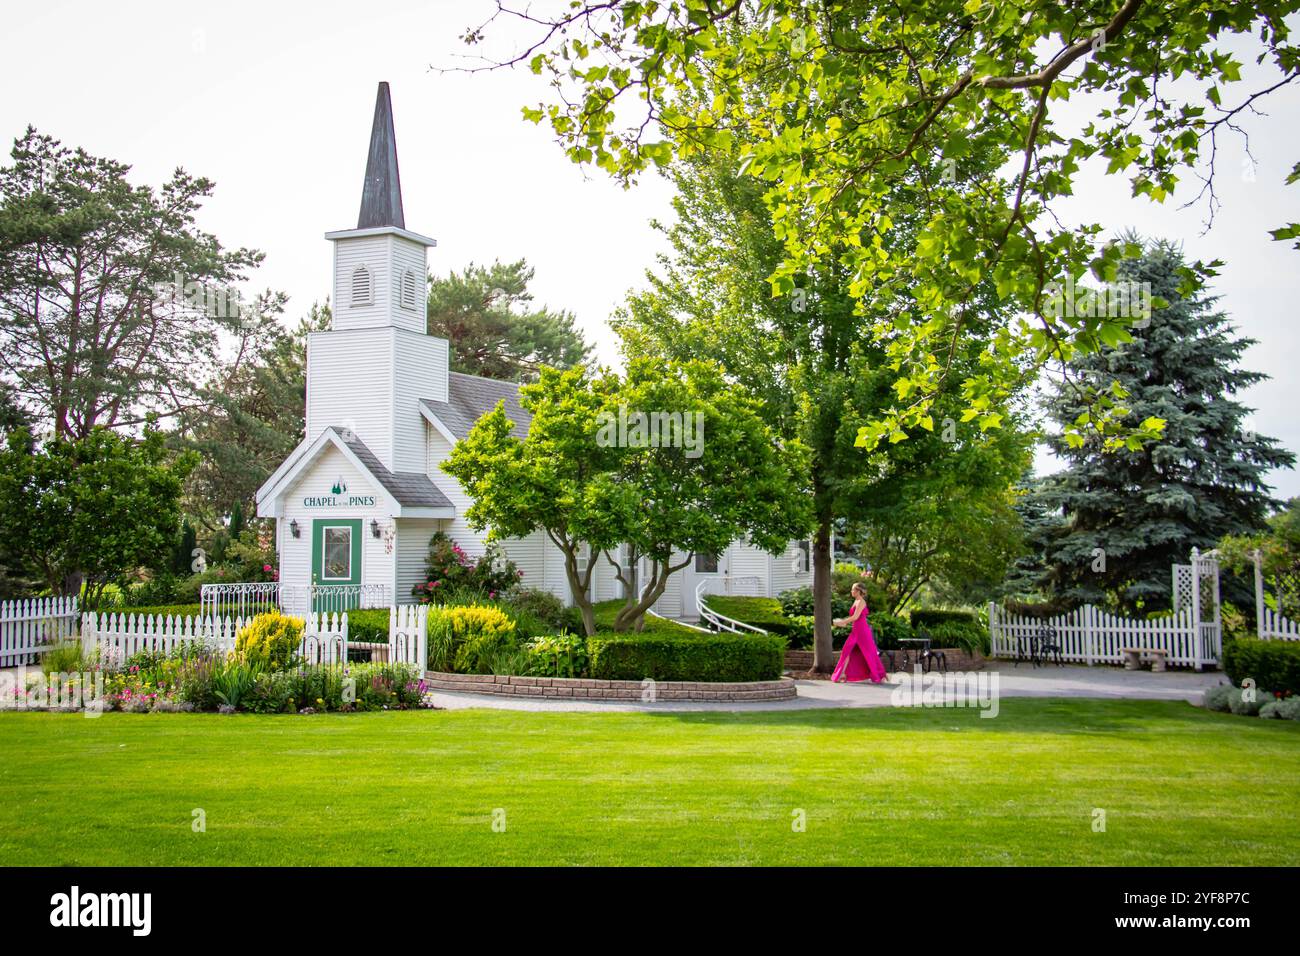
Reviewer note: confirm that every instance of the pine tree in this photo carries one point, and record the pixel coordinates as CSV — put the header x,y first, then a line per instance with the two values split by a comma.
x,y
1125,518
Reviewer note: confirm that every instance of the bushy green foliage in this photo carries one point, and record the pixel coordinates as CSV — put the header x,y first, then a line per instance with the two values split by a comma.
x,y
449,569
889,629
722,657
1248,706
155,610
369,625
563,655
929,617
1273,665
537,612
270,641
1216,698
465,638
1284,709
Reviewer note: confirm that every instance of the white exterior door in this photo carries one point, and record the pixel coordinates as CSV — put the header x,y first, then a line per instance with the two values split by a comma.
x,y
705,567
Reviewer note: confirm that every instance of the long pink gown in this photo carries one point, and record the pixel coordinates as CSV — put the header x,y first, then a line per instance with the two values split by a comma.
x,y
859,659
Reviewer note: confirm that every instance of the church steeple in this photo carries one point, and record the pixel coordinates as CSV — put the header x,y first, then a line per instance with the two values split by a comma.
x,y
381,196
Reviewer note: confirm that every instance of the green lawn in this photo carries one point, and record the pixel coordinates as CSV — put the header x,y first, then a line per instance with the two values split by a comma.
x,y
1179,785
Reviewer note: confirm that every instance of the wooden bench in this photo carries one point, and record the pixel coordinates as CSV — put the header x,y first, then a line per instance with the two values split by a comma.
x,y
1133,657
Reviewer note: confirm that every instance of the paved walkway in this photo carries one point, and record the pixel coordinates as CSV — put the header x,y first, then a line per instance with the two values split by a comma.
x,y
1012,681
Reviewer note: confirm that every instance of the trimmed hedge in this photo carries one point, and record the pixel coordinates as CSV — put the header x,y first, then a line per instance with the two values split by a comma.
x,y
1274,665
720,657
165,610
932,617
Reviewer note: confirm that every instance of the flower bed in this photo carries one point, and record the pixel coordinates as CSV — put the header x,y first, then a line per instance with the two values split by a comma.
x,y
263,674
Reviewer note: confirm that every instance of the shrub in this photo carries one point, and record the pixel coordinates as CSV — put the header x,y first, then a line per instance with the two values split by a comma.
x,y
970,636
526,605
933,617
1239,705
798,602
269,641
1217,698
449,568
1288,709
369,625
68,657
889,629
232,683
273,693
718,657
380,686
563,655
465,636
1273,665
156,610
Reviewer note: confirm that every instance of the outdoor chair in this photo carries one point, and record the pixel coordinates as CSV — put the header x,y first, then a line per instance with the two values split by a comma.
x,y
1049,646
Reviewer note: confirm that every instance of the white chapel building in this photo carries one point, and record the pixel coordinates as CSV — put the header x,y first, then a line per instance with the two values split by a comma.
x,y
358,500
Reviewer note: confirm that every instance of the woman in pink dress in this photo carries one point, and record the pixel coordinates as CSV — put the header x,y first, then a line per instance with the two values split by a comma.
x,y
859,660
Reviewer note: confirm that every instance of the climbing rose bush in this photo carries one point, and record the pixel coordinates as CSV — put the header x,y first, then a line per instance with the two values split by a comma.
x,y
449,570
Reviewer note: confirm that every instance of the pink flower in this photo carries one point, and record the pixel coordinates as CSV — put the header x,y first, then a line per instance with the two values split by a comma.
x,y
266,567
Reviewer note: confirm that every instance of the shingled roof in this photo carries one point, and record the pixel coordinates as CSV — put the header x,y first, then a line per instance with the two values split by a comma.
x,y
470,397
411,489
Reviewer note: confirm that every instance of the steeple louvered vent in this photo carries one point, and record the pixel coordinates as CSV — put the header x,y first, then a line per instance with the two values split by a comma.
x,y
363,292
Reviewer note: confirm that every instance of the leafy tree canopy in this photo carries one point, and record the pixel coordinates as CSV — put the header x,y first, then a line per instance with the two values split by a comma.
x,y
84,513
1122,519
488,316
593,483
857,114
113,304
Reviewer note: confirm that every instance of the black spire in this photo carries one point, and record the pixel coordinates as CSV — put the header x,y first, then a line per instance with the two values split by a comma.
x,y
381,196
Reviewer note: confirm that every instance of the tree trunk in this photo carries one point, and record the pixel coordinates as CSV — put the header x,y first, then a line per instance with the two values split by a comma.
x,y
823,651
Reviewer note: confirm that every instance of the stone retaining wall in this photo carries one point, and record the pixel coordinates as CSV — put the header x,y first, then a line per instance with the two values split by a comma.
x,y
585,689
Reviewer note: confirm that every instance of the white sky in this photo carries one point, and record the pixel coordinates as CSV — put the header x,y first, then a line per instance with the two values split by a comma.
x,y
273,101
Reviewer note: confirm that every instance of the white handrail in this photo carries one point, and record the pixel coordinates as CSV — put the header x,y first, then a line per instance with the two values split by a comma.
x,y
720,621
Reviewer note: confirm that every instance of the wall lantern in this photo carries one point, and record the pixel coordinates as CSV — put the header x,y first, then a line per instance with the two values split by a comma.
x,y
294,529
374,527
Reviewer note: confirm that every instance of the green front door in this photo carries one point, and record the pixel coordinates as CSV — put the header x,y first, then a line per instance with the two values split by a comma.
x,y
336,563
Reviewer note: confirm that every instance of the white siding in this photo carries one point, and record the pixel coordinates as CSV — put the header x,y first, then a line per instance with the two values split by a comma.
x,y
745,560
470,540
410,256
530,555
419,365
782,577
375,253
412,546
350,384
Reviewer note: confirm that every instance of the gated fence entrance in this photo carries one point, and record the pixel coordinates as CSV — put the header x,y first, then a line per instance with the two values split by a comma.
x,y
1192,637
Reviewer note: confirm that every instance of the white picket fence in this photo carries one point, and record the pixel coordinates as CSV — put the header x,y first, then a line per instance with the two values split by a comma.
x,y
1089,635
1271,624
324,642
27,628
408,635
1275,627
118,636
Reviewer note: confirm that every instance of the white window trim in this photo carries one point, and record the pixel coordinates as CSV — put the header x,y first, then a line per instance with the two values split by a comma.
x,y
324,559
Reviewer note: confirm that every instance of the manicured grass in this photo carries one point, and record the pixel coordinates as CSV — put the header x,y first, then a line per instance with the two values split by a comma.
x,y
1179,786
